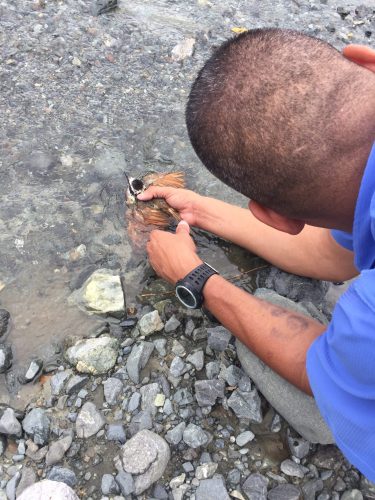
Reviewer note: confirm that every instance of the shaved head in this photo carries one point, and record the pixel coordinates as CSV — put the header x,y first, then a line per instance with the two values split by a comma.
x,y
280,117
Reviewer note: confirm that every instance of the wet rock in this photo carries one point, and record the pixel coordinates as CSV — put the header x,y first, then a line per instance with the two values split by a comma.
x,y
194,436
145,456
63,475
137,360
57,450
172,324
75,384
246,405
142,420
28,477
196,359
112,390
100,294
255,487
205,471
149,393
37,424
212,488
58,380
89,421
327,457
116,432
352,495
12,486
183,49
174,436
33,371
293,469
244,438
208,391
48,489
94,356
125,482
218,338
109,485
6,357
312,488
150,323
9,424
284,492
4,322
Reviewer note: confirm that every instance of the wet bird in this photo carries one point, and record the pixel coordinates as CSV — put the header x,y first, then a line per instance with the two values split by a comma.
x,y
144,216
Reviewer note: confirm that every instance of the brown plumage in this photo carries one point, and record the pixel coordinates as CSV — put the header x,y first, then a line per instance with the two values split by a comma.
x,y
144,216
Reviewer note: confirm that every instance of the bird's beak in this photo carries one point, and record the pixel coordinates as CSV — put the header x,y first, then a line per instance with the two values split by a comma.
x,y
127,178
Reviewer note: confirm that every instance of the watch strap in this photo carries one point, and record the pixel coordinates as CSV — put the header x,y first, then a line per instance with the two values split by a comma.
x,y
199,275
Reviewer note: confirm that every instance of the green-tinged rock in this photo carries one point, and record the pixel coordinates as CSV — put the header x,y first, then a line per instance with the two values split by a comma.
x,y
100,294
94,356
150,323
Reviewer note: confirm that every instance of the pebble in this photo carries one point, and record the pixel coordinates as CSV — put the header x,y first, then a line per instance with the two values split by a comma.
x,y
212,489
94,356
178,367
284,492
352,495
57,450
150,323
28,477
116,432
194,436
75,384
89,421
145,456
160,346
37,425
208,391
183,49
233,374
58,380
9,424
134,401
196,359
299,447
174,436
218,338
206,471
212,369
140,421
112,389
246,405
244,438
312,488
6,357
11,486
172,324
33,371
4,320
109,485
62,474
293,469
149,393
125,482
137,360
47,489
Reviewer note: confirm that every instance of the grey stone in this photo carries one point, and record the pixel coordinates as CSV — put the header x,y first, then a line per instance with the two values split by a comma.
x,y
284,492
280,301
244,438
194,436
140,421
234,477
212,488
125,482
196,359
112,389
150,323
58,380
28,477
48,489
57,450
352,495
6,357
94,356
174,436
312,488
109,485
218,338
205,471
12,486
178,367
63,475
9,424
145,456
275,425
246,405
134,401
327,457
255,487
172,324
89,421
149,393
183,49
160,493
367,488
199,334
4,322
33,371
233,374
183,397
75,384
100,294
212,369
37,424
160,346
299,447
178,349
116,432
137,360
293,469
208,391
297,408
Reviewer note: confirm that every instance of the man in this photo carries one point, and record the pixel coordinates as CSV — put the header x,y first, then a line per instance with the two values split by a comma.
x,y
289,122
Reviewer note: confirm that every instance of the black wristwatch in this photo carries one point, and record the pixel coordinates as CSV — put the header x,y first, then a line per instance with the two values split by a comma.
x,y
189,289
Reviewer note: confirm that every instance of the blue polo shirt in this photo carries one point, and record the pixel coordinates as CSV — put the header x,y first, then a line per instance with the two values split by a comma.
x,y
341,362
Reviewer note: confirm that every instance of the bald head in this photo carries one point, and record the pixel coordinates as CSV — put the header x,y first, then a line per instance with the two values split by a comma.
x,y
281,117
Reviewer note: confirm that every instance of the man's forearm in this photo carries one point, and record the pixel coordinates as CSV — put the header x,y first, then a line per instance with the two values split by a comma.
x,y
311,253
279,337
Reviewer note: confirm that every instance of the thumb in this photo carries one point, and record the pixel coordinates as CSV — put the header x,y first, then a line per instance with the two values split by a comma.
x,y
182,227
154,192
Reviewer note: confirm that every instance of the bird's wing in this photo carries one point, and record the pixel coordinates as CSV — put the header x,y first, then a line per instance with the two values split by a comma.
x,y
172,179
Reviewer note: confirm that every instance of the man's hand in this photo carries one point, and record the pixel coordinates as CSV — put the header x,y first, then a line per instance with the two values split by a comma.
x,y
182,200
173,256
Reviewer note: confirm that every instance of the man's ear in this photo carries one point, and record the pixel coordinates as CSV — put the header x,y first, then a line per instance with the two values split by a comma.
x,y
275,220
360,54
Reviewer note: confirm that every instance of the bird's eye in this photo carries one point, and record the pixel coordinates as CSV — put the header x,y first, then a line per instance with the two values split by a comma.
x,y
137,185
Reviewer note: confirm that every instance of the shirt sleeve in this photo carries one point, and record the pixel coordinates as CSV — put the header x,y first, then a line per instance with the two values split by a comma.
x,y
341,371
342,238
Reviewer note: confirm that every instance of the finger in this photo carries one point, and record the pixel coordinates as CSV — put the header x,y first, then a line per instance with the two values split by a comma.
x,y
183,227
155,192
360,54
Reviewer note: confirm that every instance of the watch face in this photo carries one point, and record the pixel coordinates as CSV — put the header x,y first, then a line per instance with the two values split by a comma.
x,y
186,296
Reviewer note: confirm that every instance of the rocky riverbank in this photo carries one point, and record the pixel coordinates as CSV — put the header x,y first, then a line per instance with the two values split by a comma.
x,y
155,404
